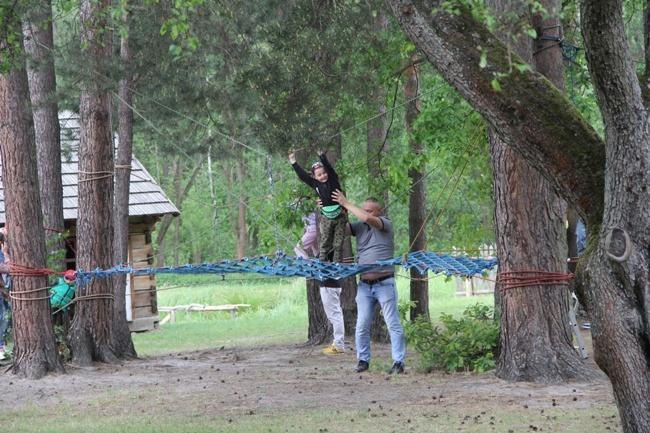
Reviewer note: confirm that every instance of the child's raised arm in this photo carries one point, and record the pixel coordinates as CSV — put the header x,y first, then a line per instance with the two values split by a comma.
x,y
292,157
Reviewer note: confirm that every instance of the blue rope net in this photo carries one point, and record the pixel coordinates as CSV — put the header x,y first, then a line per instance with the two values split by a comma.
x,y
282,265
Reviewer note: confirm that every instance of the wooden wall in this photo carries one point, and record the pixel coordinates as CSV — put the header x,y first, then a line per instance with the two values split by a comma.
x,y
141,299
144,305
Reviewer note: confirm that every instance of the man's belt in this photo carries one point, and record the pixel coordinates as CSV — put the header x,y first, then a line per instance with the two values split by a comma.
x,y
377,280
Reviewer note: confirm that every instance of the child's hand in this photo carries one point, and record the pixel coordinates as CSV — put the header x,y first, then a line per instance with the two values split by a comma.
x,y
319,152
292,157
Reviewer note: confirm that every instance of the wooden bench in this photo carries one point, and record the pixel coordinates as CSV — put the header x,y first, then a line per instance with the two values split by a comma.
x,y
171,317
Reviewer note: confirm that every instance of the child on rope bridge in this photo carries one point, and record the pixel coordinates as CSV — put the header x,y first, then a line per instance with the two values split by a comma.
x,y
324,180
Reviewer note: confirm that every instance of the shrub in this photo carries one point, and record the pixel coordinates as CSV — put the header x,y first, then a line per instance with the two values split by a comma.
x,y
457,344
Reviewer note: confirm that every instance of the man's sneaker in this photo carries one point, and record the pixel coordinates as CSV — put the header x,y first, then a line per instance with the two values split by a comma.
x,y
332,350
362,366
397,368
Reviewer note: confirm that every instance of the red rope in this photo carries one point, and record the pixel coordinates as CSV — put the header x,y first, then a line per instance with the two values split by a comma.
x,y
29,271
516,279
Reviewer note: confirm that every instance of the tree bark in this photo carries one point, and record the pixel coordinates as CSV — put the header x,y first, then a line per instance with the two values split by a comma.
x,y
377,129
613,288
525,111
535,340
39,45
417,198
92,329
123,343
34,346
319,330
242,234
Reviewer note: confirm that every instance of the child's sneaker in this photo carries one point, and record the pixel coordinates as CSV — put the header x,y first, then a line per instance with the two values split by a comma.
x,y
332,350
3,354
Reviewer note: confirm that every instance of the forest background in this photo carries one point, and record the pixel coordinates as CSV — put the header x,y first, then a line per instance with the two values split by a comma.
x,y
289,76
223,90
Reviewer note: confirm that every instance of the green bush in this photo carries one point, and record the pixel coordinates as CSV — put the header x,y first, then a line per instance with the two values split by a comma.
x,y
458,344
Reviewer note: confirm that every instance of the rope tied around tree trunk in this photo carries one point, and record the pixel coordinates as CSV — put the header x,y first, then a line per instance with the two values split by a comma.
x,y
18,270
22,292
517,279
93,297
98,175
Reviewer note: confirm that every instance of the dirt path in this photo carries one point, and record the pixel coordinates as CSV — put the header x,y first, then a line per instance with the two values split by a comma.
x,y
247,380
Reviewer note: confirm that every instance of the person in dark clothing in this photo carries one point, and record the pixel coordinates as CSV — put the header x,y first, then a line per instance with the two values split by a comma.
x,y
324,180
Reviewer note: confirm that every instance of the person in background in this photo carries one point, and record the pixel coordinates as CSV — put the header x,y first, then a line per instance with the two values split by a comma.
x,y
5,304
324,180
581,237
375,240
63,292
581,243
309,238
330,295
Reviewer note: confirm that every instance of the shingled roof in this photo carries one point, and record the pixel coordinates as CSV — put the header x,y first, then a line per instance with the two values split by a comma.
x,y
146,197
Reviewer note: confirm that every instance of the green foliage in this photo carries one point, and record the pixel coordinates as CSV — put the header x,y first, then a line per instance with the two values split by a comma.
x,y
11,46
55,257
459,344
62,343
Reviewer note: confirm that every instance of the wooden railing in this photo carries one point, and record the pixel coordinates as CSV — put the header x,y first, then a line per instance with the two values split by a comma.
x,y
171,317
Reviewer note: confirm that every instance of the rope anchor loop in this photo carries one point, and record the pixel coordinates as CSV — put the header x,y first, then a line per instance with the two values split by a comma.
x,y
618,245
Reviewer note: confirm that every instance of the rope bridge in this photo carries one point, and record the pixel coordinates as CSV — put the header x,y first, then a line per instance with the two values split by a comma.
x,y
282,265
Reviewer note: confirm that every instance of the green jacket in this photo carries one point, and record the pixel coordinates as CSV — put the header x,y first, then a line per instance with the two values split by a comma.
x,y
61,294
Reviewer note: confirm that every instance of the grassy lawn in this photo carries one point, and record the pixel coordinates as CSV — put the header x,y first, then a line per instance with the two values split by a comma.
x,y
278,312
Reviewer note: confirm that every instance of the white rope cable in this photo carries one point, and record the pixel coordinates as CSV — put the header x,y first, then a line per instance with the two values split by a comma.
x,y
154,127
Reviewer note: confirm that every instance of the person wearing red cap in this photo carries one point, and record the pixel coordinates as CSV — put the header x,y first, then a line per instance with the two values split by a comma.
x,y
63,292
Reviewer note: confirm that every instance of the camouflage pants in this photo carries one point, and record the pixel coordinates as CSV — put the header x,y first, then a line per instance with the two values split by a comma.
x,y
332,237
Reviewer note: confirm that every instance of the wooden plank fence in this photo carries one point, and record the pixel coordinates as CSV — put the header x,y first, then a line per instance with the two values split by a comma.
x,y
479,285
171,317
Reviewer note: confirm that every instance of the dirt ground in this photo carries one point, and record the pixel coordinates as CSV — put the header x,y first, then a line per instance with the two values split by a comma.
x,y
230,381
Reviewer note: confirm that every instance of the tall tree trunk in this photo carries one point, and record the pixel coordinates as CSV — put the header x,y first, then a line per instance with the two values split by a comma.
x,y
177,236
375,153
417,198
39,45
242,235
34,347
216,251
123,343
613,281
535,340
91,334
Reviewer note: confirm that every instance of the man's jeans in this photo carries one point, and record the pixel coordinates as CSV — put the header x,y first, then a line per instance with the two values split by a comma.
x,y
385,293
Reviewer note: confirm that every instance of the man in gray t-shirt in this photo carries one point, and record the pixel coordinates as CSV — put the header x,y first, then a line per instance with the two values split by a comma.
x,y
375,242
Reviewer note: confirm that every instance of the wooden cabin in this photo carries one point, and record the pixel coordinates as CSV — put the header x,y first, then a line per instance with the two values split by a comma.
x,y
147,205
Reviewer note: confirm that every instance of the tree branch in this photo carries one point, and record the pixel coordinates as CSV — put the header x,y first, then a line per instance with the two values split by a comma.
x,y
530,114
